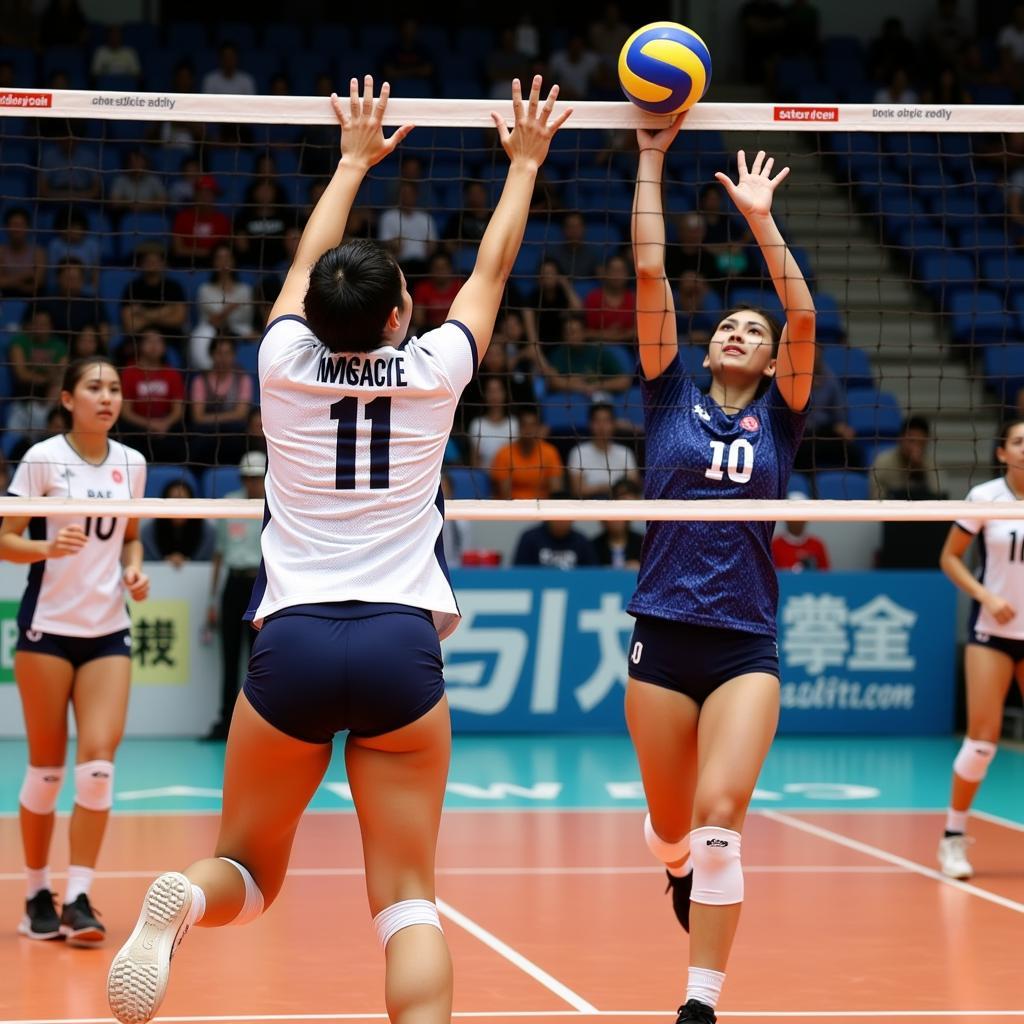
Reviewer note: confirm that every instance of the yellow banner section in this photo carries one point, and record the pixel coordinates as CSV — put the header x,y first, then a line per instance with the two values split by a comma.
x,y
161,635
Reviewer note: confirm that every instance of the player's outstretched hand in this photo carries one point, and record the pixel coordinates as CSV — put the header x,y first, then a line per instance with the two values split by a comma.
x,y
530,137
660,140
754,190
361,119
137,583
69,541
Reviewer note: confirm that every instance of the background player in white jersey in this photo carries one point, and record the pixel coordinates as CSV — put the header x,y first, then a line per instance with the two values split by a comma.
x,y
74,646
994,653
355,590
702,698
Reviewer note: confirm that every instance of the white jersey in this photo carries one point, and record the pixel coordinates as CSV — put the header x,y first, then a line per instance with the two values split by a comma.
x,y
355,442
82,594
1002,559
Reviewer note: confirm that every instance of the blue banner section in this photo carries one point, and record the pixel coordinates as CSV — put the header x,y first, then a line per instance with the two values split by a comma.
x,y
546,651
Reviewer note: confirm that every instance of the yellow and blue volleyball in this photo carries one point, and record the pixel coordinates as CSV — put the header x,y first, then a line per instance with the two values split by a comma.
x,y
664,67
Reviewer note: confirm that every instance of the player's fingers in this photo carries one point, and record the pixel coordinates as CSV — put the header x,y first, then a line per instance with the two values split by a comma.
x,y
382,101
339,110
534,96
768,165
499,123
368,94
755,168
517,99
781,176
560,120
549,104
741,164
353,96
725,181
396,138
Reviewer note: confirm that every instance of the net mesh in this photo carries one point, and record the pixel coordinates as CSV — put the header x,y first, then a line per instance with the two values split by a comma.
x,y
157,225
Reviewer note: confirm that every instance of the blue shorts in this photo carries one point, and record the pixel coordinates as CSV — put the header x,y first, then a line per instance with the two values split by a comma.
x,y
1014,649
76,649
319,669
696,660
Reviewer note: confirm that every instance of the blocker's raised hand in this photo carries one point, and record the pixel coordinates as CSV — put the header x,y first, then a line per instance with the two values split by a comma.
x,y
753,193
361,119
534,129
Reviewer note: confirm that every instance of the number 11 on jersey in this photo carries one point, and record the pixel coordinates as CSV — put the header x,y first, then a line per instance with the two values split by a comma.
x,y
378,412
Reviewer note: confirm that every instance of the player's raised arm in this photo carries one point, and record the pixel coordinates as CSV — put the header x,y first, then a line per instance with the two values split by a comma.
x,y
655,306
752,194
476,305
362,145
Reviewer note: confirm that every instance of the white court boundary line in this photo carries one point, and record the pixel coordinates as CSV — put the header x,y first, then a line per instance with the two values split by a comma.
x,y
892,858
514,957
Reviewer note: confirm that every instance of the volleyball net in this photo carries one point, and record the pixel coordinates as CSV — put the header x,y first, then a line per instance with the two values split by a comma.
x,y
158,226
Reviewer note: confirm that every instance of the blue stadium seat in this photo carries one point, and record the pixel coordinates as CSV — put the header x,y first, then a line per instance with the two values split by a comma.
x,y
898,210
829,325
72,60
247,356
1003,268
977,236
800,483
566,413
943,273
630,406
792,73
113,281
979,317
842,485
873,414
757,298
136,228
469,483
158,477
1004,370
921,235
851,365
219,480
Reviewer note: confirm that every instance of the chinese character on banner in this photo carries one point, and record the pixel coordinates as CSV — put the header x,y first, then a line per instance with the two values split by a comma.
x,y
613,627
881,636
815,631
152,641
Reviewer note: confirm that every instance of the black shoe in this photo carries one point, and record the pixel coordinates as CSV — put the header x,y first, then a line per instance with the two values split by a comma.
x,y
217,734
79,925
696,1012
681,888
40,920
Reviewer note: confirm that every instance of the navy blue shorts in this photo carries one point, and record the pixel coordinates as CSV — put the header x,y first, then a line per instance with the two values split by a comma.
x,y
696,660
1014,649
319,669
76,649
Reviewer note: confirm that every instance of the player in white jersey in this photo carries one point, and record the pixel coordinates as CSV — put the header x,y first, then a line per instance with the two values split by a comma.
x,y
994,654
354,591
74,646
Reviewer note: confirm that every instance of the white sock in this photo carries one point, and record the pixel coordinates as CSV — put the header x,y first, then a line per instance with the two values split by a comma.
x,y
36,879
956,821
704,985
79,881
682,870
198,908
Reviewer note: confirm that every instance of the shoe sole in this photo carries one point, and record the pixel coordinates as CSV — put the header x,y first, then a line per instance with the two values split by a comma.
x,y
84,938
961,877
25,928
138,976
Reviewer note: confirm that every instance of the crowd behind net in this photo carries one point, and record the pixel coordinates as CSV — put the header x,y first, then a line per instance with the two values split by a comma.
x,y
157,228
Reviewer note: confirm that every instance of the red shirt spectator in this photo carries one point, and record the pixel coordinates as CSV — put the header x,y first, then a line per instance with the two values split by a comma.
x,y
798,551
611,308
199,228
433,296
152,391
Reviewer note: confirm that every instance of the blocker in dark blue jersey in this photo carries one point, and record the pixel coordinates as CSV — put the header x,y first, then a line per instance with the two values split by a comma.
x,y
716,574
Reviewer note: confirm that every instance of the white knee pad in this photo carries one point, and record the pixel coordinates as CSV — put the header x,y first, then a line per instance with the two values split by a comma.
x,y
401,915
94,785
972,761
667,853
717,871
40,789
253,905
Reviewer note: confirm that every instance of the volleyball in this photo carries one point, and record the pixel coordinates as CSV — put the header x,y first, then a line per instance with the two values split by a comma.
x,y
664,67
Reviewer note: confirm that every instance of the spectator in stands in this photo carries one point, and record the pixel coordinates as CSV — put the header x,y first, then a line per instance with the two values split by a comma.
x,y
946,33
527,34
698,309
76,242
136,189
219,402
68,169
409,58
225,305
611,307
727,241
584,366
115,57
576,257
467,226
762,34
608,34
907,470
71,308
182,189
182,136
37,356
554,544
796,550
433,296
236,550
504,63
254,439
618,544
494,428
154,402
409,231
260,225
529,467
890,50
591,467
545,308
200,227
31,420
22,262
87,342
228,79
828,439
63,23
897,88
573,68
801,29
178,541
688,253
946,88
153,299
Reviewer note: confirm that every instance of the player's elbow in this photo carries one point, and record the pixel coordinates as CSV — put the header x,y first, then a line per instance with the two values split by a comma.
x,y
802,324
650,269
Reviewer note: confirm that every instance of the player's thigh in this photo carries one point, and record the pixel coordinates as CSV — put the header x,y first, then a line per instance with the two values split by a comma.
x,y
100,697
736,728
269,778
663,727
44,686
397,781
989,675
